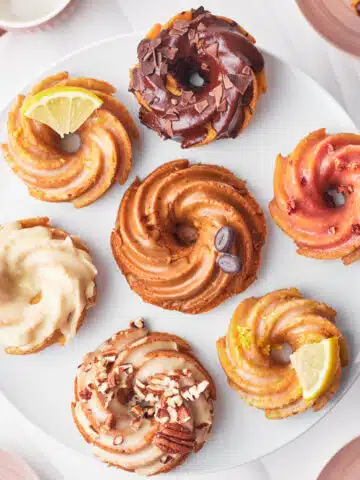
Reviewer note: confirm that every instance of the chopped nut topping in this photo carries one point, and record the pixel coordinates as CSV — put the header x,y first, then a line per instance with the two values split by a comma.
x,y
138,323
136,411
109,421
85,394
291,206
173,415
345,189
332,230
183,415
187,372
104,388
356,228
162,416
165,459
118,440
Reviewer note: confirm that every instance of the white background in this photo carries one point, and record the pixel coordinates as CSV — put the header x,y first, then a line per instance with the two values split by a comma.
x,y
279,27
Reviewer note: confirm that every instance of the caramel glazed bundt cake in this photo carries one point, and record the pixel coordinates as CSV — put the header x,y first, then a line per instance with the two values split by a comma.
x,y
189,236
143,401
198,78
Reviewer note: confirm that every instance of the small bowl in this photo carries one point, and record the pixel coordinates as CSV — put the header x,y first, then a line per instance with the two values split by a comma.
x,y
34,15
336,21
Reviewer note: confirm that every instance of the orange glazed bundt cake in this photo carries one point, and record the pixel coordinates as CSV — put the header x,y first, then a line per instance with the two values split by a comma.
x,y
189,236
143,401
316,199
259,328
34,152
198,78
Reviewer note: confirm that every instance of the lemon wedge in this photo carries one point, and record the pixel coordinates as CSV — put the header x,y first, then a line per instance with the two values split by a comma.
x,y
315,365
64,109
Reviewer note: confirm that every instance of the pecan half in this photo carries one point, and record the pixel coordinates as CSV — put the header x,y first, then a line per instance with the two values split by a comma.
x,y
174,438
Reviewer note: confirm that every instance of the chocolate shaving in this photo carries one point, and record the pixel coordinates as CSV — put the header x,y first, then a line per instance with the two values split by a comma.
x,y
172,51
143,48
191,35
163,69
137,80
175,33
212,49
217,93
240,81
148,55
227,82
223,106
155,43
182,24
187,97
148,67
172,114
149,97
159,58
201,106
168,128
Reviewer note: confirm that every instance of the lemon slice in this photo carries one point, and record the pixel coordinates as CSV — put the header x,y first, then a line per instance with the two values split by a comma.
x,y
64,109
315,365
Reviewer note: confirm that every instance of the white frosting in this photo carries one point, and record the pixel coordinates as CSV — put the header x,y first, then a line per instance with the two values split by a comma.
x,y
54,273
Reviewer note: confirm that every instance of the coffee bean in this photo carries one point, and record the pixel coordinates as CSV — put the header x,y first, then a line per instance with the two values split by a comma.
x,y
224,239
229,263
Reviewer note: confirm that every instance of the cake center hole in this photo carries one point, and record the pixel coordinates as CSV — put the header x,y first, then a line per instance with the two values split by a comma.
x,y
186,234
189,74
281,353
70,143
334,198
196,80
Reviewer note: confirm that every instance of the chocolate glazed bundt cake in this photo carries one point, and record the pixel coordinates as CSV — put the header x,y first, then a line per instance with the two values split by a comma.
x,y
198,78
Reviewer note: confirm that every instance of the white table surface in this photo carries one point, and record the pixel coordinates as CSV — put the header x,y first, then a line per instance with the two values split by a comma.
x,y
279,27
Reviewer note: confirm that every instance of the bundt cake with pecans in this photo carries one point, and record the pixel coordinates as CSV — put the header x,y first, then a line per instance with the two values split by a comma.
x,y
143,401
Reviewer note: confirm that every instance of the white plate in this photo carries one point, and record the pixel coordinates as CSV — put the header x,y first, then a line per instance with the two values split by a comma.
x,y
41,386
